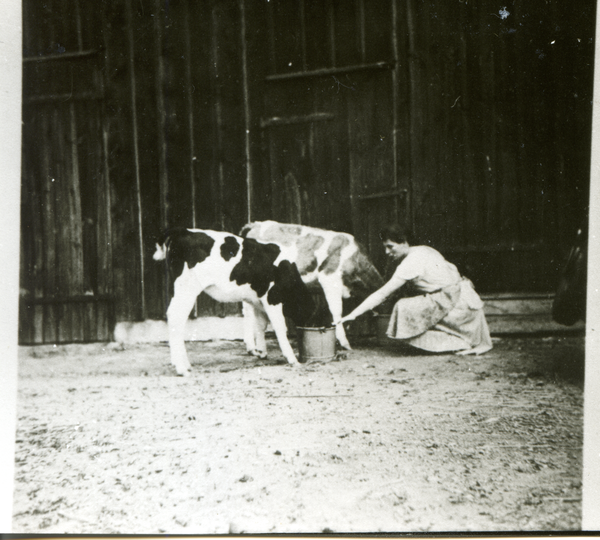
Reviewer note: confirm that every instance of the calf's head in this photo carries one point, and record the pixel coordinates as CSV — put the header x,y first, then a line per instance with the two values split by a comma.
x,y
180,246
289,290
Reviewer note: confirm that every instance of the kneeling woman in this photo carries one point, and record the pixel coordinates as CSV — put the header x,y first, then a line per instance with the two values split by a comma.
x,y
446,315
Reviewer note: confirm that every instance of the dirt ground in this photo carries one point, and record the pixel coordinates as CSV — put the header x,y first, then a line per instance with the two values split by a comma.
x,y
109,440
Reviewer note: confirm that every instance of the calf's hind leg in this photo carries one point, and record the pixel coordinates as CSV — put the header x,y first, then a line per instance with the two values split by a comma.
x,y
255,324
332,288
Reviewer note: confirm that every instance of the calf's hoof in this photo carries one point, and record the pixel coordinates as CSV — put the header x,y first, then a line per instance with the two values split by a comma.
x,y
259,354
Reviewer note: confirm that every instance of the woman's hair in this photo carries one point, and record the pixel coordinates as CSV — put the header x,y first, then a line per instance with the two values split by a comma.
x,y
396,234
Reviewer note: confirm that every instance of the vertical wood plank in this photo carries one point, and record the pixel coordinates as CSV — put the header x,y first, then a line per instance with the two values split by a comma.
x,y
74,207
42,223
54,20
60,182
302,17
64,272
102,316
247,104
191,119
488,60
121,161
347,33
27,254
76,11
30,252
228,92
396,78
26,328
331,32
257,16
45,318
378,23
179,116
105,237
103,276
231,172
89,184
75,287
190,110
361,34
414,115
218,177
204,129
316,31
91,328
61,320
138,197
271,37
472,214
287,36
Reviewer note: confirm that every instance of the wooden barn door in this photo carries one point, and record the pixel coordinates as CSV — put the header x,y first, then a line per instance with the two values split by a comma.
x,y
65,227
331,112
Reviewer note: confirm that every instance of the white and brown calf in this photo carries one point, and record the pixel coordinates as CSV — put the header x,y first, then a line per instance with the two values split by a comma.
x,y
333,260
232,269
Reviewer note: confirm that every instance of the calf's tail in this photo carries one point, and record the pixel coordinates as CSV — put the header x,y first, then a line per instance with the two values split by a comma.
x,y
246,229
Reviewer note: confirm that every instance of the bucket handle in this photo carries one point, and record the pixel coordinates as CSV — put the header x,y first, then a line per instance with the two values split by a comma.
x,y
321,329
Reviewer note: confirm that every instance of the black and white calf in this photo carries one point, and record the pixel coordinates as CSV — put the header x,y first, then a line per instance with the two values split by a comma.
x,y
331,260
232,269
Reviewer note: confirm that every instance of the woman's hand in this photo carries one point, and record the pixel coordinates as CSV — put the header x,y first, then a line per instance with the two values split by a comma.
x,y
347,318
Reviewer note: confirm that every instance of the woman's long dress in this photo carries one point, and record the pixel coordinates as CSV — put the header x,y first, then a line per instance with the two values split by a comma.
x,y
447,314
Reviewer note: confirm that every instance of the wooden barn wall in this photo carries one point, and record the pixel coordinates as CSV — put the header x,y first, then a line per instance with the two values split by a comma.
x,y
66,279
132,123
178,144
328,115
469,120
500,134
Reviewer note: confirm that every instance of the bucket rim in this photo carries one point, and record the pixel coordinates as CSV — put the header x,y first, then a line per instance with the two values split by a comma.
x,y
321,328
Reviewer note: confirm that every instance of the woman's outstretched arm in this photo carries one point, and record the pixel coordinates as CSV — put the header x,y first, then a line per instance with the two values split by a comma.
x,y
375,299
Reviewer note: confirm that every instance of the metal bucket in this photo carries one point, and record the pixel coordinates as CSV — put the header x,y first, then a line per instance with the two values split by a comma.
x,y
316,344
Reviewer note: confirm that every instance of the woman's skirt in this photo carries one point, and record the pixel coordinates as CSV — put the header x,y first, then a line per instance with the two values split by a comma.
x,y
451,319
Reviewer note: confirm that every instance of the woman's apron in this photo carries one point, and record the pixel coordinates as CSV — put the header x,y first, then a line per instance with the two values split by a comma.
x,y
412,317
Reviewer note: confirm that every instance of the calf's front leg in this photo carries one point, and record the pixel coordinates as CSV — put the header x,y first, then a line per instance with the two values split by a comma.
x,y
182,303
275,315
